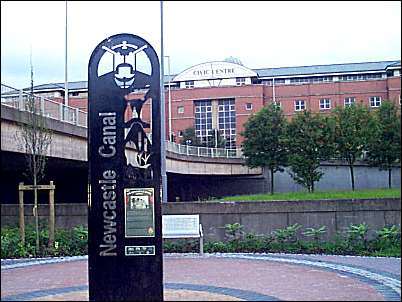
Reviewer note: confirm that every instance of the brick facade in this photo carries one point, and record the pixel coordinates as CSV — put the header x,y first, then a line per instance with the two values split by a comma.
x,y
250,98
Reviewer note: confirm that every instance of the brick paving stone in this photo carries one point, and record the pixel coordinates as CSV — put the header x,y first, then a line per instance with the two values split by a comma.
x,y
220,277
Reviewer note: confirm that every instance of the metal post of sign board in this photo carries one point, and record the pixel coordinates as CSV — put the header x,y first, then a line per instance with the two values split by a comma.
x,y
124,212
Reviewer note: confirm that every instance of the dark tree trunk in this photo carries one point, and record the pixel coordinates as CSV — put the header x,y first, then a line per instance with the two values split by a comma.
x,y
272,181
389,177
352,177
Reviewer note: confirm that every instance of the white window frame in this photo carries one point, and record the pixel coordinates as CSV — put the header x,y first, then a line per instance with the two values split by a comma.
x,y
180,133
249,107
180,109
349,101
325,104
375,101
189,84
300,105
240,81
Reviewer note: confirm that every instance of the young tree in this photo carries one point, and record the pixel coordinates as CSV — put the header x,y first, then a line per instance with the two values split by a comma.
x,y
310,140
264,145
35,139
353,126
384,146
189,138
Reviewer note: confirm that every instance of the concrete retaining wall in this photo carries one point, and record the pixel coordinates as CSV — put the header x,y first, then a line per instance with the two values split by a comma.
x,y
258,217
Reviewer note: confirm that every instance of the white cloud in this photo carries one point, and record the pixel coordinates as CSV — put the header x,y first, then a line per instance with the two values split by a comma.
x,y
261,34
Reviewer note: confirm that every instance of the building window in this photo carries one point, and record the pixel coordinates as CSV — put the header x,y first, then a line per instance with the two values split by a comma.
x,y
180,109
240,81
322,79
299,80
227,121
180,133
325,104
361,77
279,81
276,82
249,106
375,101
299,105
203,119
349,101
189,84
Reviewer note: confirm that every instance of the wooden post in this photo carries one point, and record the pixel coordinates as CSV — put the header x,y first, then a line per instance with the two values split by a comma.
x,y
21,213
51,188
51,216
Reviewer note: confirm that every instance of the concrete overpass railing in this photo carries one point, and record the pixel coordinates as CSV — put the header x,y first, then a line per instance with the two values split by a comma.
x,y
17,98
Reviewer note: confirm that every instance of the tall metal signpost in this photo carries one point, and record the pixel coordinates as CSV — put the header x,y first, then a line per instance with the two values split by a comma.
x,y
124,213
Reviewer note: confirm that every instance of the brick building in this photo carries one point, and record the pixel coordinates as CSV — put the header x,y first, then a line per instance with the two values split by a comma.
x,y
223,95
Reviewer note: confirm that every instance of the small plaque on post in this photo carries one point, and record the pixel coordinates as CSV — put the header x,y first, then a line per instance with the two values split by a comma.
x,y
140,250
140,216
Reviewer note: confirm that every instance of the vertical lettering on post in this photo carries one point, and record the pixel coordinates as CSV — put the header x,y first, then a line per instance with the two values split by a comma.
x,y
124,215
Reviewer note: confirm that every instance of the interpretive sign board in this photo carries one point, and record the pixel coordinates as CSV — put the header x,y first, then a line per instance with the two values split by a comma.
x,y
140,217
124,210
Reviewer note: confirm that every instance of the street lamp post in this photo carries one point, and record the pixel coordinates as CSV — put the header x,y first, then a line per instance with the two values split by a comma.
x,y
162,116
65,67
169,102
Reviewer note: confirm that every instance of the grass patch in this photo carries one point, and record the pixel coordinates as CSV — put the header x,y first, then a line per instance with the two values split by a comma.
x,y
358,194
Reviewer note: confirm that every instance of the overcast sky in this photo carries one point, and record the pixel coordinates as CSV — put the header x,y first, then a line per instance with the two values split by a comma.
x,y
260,34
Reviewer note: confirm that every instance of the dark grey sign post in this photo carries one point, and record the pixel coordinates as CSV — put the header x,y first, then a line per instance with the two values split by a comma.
x,y
124,213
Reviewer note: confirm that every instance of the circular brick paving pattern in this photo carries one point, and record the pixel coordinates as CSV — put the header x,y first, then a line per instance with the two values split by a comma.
x,y
213,277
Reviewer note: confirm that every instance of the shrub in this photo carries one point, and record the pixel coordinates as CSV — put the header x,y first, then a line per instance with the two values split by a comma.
x,y
357,237
67,242
287,234
234,231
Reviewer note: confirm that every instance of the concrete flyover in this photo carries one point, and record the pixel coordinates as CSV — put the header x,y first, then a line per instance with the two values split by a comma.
x,y
69,141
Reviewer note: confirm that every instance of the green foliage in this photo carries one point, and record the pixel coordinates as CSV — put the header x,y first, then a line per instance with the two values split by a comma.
x,y
391,234
387,239
353,126
180,245
233,231
310,140
358,194
67,242
384,144
264,140
283,240
189,136
357,231
287,234
315,233
353,242
357,236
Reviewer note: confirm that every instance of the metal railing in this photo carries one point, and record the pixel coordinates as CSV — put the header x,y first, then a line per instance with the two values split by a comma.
x,y
203,151
18,99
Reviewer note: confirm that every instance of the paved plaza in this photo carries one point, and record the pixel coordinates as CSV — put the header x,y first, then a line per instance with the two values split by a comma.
x,y
221,277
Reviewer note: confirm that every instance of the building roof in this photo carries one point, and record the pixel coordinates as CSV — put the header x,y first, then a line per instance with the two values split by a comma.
x,y
323,69
265,72
77,85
